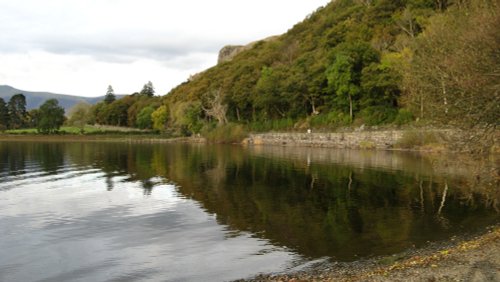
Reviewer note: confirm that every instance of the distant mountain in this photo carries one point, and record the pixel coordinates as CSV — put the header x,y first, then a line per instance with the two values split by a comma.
x,y
35,99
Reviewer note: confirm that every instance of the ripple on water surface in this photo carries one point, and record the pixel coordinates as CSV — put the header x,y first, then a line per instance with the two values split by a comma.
x,y
68,225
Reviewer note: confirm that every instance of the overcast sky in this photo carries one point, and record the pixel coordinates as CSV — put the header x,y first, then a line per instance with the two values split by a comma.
x,y
80,47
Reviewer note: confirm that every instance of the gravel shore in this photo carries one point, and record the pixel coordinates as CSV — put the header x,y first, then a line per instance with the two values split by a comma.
x,y
472,258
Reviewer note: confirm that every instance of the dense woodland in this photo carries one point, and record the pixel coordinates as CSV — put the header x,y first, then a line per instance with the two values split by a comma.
x,y
48,118
350,63
362,62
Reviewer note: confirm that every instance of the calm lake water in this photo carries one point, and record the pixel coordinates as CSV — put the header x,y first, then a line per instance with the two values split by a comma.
x,y
129,212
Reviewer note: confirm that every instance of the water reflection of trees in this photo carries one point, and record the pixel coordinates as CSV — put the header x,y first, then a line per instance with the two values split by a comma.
x,y
16,157
318,202
352,208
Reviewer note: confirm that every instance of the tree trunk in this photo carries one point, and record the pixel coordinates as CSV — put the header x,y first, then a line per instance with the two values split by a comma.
x,y
445,101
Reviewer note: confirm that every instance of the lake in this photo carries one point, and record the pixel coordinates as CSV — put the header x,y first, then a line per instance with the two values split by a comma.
x,y
180,212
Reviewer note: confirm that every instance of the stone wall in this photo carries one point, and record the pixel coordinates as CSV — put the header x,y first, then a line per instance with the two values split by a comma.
x,y
362,139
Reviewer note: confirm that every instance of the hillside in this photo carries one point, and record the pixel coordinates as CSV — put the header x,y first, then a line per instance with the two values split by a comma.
x,y
35,99
350,64
355,62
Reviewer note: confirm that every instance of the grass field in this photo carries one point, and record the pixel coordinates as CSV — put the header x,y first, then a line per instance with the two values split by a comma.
x,y
89,129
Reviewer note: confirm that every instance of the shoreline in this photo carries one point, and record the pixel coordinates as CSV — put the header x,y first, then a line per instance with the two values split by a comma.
x,y
473,257
436,140
129,138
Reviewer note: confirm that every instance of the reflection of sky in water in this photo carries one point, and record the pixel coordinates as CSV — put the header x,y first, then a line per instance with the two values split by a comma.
x,y
69,227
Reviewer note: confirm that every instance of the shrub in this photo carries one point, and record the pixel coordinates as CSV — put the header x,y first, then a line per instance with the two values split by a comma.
x,y
377,115
229,133
271,125
330,119
415,139
404,117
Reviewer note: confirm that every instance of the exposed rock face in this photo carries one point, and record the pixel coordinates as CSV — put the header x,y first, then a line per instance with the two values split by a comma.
x,y
227,53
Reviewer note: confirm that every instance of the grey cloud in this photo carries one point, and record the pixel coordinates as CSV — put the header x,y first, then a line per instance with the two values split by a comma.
x,y
117,48
127,48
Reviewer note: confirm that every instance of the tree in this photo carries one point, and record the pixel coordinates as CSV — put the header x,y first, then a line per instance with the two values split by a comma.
x,y
268,92
33,118
144,118
4,115
148,89
110,96
116,113
17,111
454,76
341,78
80,115
345,73
159,118
380,86
215,106
51,117
186,117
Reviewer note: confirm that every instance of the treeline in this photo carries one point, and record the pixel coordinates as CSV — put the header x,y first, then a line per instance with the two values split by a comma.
x,y
132,110
135,110
48,118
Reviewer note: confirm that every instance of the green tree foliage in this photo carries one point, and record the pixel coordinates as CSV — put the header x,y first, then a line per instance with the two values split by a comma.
x,y
160,118
4,115
138,102
341,78
51,117
17,111
122,112
268,97
110,96
79,115
186,117
345,74
144,119
116,113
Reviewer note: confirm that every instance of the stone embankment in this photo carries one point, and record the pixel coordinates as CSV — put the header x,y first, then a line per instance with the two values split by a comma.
x,y
361,139
437,140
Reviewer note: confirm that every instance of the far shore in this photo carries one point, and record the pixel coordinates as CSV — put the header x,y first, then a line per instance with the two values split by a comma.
x,y
132,138
418,140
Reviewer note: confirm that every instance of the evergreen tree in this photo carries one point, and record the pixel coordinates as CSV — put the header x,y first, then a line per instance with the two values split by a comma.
x,y
4,115
17,111
110,95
